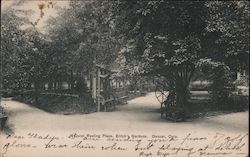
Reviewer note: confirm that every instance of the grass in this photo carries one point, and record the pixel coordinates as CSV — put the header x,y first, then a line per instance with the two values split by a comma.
x,y
61,104
201,105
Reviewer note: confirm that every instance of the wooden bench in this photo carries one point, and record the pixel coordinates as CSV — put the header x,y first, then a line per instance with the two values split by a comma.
x,y
109,104
122,99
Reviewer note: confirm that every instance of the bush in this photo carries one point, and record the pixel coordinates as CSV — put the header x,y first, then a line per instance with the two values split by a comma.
x,y
222,86
237,103
175,114
59,103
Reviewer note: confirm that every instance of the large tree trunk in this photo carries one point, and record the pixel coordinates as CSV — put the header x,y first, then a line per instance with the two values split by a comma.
x,y
178,82
183,79
182,94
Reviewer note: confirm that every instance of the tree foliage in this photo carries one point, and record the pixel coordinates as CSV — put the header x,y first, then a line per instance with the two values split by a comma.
x,y
19,48
173,39
170,39
79,37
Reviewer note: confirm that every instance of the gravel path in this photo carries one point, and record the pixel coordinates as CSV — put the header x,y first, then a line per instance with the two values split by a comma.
x,y
139,114
138,117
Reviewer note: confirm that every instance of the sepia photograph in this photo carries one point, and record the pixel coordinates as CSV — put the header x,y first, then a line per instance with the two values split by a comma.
x,y
124,78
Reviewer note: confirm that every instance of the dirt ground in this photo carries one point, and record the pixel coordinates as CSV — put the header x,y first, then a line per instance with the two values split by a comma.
x,y
138,116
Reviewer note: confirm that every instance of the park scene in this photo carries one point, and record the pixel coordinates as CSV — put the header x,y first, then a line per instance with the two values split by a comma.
x,y
124,65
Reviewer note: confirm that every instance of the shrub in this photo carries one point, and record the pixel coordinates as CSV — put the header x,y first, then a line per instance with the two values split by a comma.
x,y
237,102
222,85
175,114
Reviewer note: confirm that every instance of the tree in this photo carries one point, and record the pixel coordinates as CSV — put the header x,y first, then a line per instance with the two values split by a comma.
x,y
231,20
81,40
166,39
228,26
24,55
14,50
173,39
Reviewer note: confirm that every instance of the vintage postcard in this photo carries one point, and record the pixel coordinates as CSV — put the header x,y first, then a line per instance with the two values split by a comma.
x,y
121,78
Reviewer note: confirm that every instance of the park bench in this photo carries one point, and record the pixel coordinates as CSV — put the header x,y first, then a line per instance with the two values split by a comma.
x,y
122,100
109,104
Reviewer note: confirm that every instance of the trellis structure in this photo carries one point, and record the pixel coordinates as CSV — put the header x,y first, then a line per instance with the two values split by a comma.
x,y
101,87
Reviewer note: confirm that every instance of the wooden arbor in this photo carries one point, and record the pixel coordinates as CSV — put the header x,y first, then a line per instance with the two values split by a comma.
x,y
101,88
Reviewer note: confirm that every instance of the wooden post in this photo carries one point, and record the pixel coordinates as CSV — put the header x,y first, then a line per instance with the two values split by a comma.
x,y
98,90
94,86
238,75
